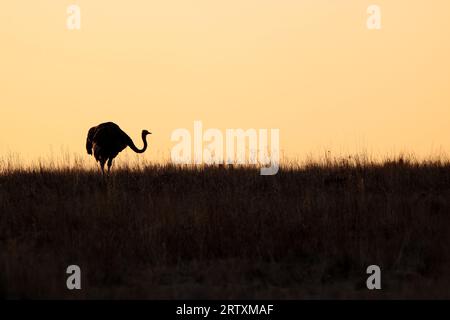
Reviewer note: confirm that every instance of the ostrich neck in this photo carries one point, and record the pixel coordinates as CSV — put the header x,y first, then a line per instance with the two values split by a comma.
x,y
135,149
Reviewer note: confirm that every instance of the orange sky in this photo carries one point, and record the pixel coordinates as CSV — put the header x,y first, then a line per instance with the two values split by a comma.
x,y
308,67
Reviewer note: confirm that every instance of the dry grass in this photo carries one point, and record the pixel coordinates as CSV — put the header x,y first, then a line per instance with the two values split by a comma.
x,y
163,231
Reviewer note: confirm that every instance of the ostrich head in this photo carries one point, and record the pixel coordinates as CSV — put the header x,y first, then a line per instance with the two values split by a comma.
x,y
145,133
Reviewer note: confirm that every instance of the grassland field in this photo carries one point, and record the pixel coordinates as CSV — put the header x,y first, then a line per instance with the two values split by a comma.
x,y
173,232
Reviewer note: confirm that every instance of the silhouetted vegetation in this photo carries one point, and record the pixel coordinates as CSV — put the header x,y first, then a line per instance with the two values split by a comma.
x,y
222,232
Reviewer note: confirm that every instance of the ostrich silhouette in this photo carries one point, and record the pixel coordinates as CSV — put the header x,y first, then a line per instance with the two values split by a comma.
x,y
106,140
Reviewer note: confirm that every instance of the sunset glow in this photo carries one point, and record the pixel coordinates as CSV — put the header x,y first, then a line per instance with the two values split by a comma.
x,y
309,68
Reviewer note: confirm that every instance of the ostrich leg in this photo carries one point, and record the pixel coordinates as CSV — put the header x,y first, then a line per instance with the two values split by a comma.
x,y
110,160
102,165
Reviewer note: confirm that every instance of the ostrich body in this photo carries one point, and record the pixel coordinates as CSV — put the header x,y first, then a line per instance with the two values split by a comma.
x,y
106,140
